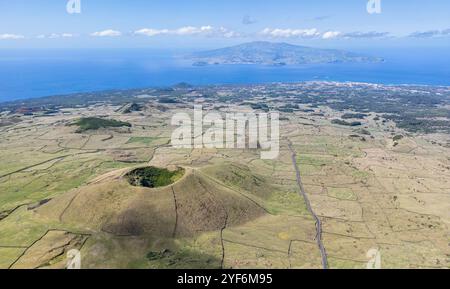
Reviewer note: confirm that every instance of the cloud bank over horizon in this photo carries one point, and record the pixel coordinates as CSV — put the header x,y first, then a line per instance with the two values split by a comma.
x,y
46,23
223,32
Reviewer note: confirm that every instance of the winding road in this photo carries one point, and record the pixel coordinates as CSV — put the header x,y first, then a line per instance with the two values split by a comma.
x,y
308,206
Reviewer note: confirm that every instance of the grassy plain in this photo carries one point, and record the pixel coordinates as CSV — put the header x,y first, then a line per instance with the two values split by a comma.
x,y
61,188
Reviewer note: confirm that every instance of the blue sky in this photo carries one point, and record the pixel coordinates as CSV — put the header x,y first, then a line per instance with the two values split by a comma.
x,y
214,23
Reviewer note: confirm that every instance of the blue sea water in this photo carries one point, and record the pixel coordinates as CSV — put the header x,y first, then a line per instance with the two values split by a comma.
x,y
35,73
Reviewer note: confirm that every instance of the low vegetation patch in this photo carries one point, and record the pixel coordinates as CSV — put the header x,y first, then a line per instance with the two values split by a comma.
x,y
95,123
184,258
167,100
397,138
362,131
142,140
153,177
257,106
346,123
354,115
131,107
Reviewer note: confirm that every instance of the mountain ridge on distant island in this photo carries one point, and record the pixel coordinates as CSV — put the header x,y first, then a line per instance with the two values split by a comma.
x,y
278,54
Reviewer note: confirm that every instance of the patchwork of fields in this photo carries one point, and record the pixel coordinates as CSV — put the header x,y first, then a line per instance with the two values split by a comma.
x,y
63,189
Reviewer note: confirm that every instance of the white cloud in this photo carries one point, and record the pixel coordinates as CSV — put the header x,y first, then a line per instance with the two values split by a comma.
x,y
11,36
189,30
315,33
370,34
228,33
331,34
55,35
430,33
288,33
107,33
151,32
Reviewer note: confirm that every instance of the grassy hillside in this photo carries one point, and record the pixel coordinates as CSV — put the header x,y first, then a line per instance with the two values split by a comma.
x,y
191,205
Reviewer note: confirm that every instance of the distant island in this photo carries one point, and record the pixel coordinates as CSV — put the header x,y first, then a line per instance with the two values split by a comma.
x,y
277,54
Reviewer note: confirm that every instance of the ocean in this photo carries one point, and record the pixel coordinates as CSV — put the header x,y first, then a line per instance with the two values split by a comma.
x,y
35,73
